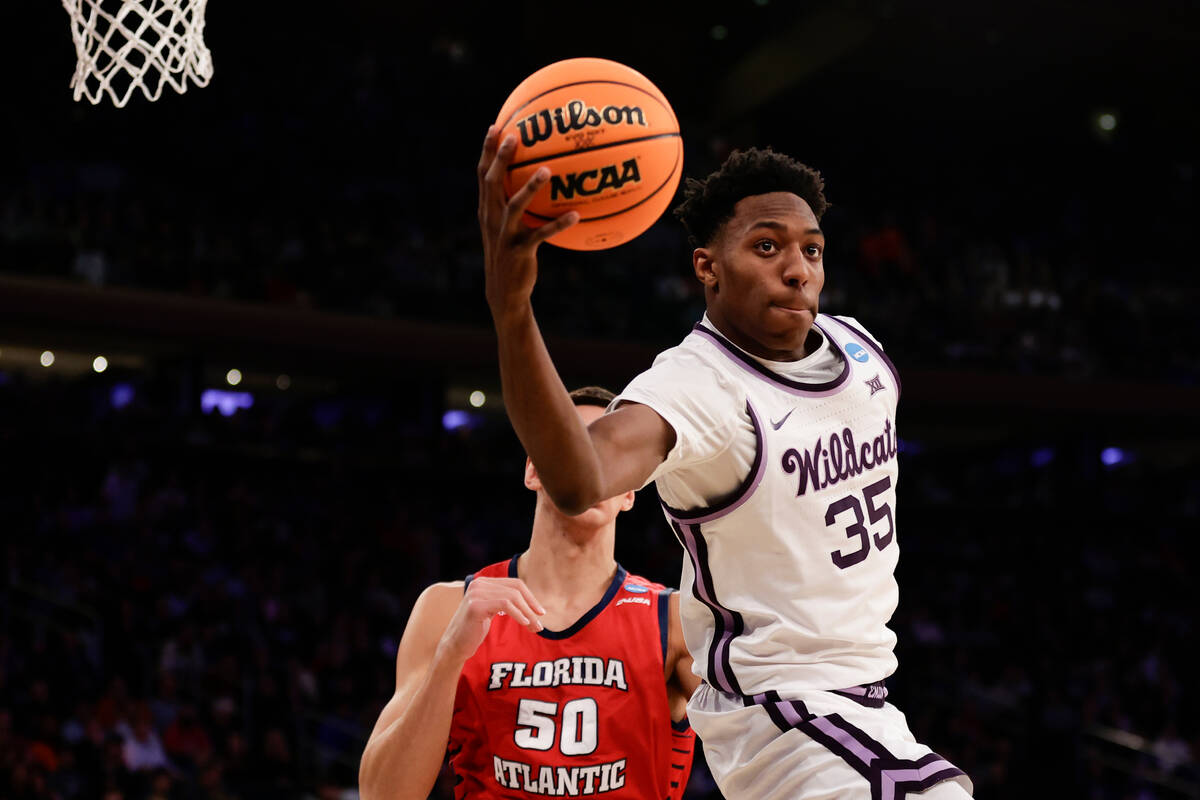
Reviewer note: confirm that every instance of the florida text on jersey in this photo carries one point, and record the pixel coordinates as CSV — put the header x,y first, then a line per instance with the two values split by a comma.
x,y
573,713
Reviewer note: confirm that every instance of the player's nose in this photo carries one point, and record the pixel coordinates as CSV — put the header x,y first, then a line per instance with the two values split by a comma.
x,y
797,271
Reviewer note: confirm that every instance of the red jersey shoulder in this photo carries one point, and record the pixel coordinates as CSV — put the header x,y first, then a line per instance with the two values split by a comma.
x,y
636,590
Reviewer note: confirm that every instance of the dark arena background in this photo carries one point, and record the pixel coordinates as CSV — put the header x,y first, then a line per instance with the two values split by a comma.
x,y
228,568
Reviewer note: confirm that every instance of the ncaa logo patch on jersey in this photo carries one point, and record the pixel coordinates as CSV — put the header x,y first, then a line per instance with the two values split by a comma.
x,y
635,588
857,352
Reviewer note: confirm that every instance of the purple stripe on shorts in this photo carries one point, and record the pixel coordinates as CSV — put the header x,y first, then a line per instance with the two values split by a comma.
x,y
843,737
890,778
897,782
869,342
742,493
756,369
728,623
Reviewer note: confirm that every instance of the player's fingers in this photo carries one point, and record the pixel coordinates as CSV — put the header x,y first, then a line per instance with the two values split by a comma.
x,y
522,197
491,143
554,226
534,624
513,610
532,601
494,177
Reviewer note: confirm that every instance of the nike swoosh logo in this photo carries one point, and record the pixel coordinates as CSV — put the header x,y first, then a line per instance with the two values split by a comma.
x,y
778,425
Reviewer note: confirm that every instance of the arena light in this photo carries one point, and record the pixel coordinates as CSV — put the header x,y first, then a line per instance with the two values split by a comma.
x,y
121,395
1113,456
455,419
719,32
1041,456
1107,122
233,377
99,363
227,403
283,383
477,399
47,358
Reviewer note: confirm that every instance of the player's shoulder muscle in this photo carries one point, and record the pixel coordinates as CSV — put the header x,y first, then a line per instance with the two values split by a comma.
x,y
430,617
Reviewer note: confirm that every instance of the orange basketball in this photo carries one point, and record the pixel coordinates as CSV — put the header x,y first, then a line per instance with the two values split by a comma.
x,y
611,142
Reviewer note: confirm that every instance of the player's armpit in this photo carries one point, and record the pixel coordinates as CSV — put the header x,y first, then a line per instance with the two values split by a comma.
x,y
630,443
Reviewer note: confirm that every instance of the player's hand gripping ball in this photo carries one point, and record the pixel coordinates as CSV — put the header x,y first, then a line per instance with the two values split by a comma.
x,y
610,140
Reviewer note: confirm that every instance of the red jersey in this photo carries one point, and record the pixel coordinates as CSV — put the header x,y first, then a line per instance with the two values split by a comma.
x,y
576,712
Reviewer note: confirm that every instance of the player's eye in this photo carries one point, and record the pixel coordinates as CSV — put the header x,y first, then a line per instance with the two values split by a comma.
x,y
813,250
765,246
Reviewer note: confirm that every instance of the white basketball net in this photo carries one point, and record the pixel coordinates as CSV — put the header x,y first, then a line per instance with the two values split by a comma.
x,y
144,44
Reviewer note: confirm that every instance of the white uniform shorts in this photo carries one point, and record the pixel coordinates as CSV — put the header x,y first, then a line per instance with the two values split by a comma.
x,y
847,744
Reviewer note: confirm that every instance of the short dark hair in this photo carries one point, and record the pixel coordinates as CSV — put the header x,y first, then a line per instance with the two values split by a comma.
x,y
592,396
708,204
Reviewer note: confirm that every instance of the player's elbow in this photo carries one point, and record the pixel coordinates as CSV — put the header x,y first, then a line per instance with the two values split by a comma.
x,y
384,775
368,776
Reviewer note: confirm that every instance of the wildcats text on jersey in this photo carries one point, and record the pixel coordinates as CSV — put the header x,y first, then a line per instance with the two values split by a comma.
x,y
826,464
560,781
572,671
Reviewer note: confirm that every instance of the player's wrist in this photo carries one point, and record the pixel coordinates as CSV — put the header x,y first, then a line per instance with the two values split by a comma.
x,y
510,313
448,659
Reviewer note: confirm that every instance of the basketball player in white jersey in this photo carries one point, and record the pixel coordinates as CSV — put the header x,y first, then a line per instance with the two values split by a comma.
x,y
770,433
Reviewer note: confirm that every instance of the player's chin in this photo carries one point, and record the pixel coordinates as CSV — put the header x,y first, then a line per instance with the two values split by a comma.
x,y
596,515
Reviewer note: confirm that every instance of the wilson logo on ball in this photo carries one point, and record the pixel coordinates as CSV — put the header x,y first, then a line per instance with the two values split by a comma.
x,y
594,181
576,115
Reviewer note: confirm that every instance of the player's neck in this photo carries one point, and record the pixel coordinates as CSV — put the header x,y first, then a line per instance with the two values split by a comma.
x,y
567,564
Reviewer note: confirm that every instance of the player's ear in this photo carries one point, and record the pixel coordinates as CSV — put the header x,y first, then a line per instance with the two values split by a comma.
x,y
703,265
627,500
532,481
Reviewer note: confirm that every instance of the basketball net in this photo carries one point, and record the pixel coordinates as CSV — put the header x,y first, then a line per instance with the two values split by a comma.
x,y
145,44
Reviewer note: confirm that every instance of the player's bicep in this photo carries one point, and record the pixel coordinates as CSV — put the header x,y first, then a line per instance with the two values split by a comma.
x,y
429,619
630,444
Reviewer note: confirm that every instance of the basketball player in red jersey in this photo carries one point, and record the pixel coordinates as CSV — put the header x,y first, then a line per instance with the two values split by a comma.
x,y
553,673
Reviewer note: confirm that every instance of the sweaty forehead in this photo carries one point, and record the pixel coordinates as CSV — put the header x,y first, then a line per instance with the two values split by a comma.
x,y
781,207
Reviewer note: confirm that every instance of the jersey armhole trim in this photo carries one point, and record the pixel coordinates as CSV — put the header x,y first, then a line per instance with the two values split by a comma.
x,y
739,495
664,619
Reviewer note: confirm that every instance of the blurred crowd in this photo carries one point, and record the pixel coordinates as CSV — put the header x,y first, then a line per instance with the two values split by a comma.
x,y
209,607
199,607
947,295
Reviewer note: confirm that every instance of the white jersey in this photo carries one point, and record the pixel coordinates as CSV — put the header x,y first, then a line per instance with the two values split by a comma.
x,y
788,580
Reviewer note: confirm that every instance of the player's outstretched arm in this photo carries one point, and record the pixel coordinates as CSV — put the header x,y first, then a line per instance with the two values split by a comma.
x,y
447,625
578,466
